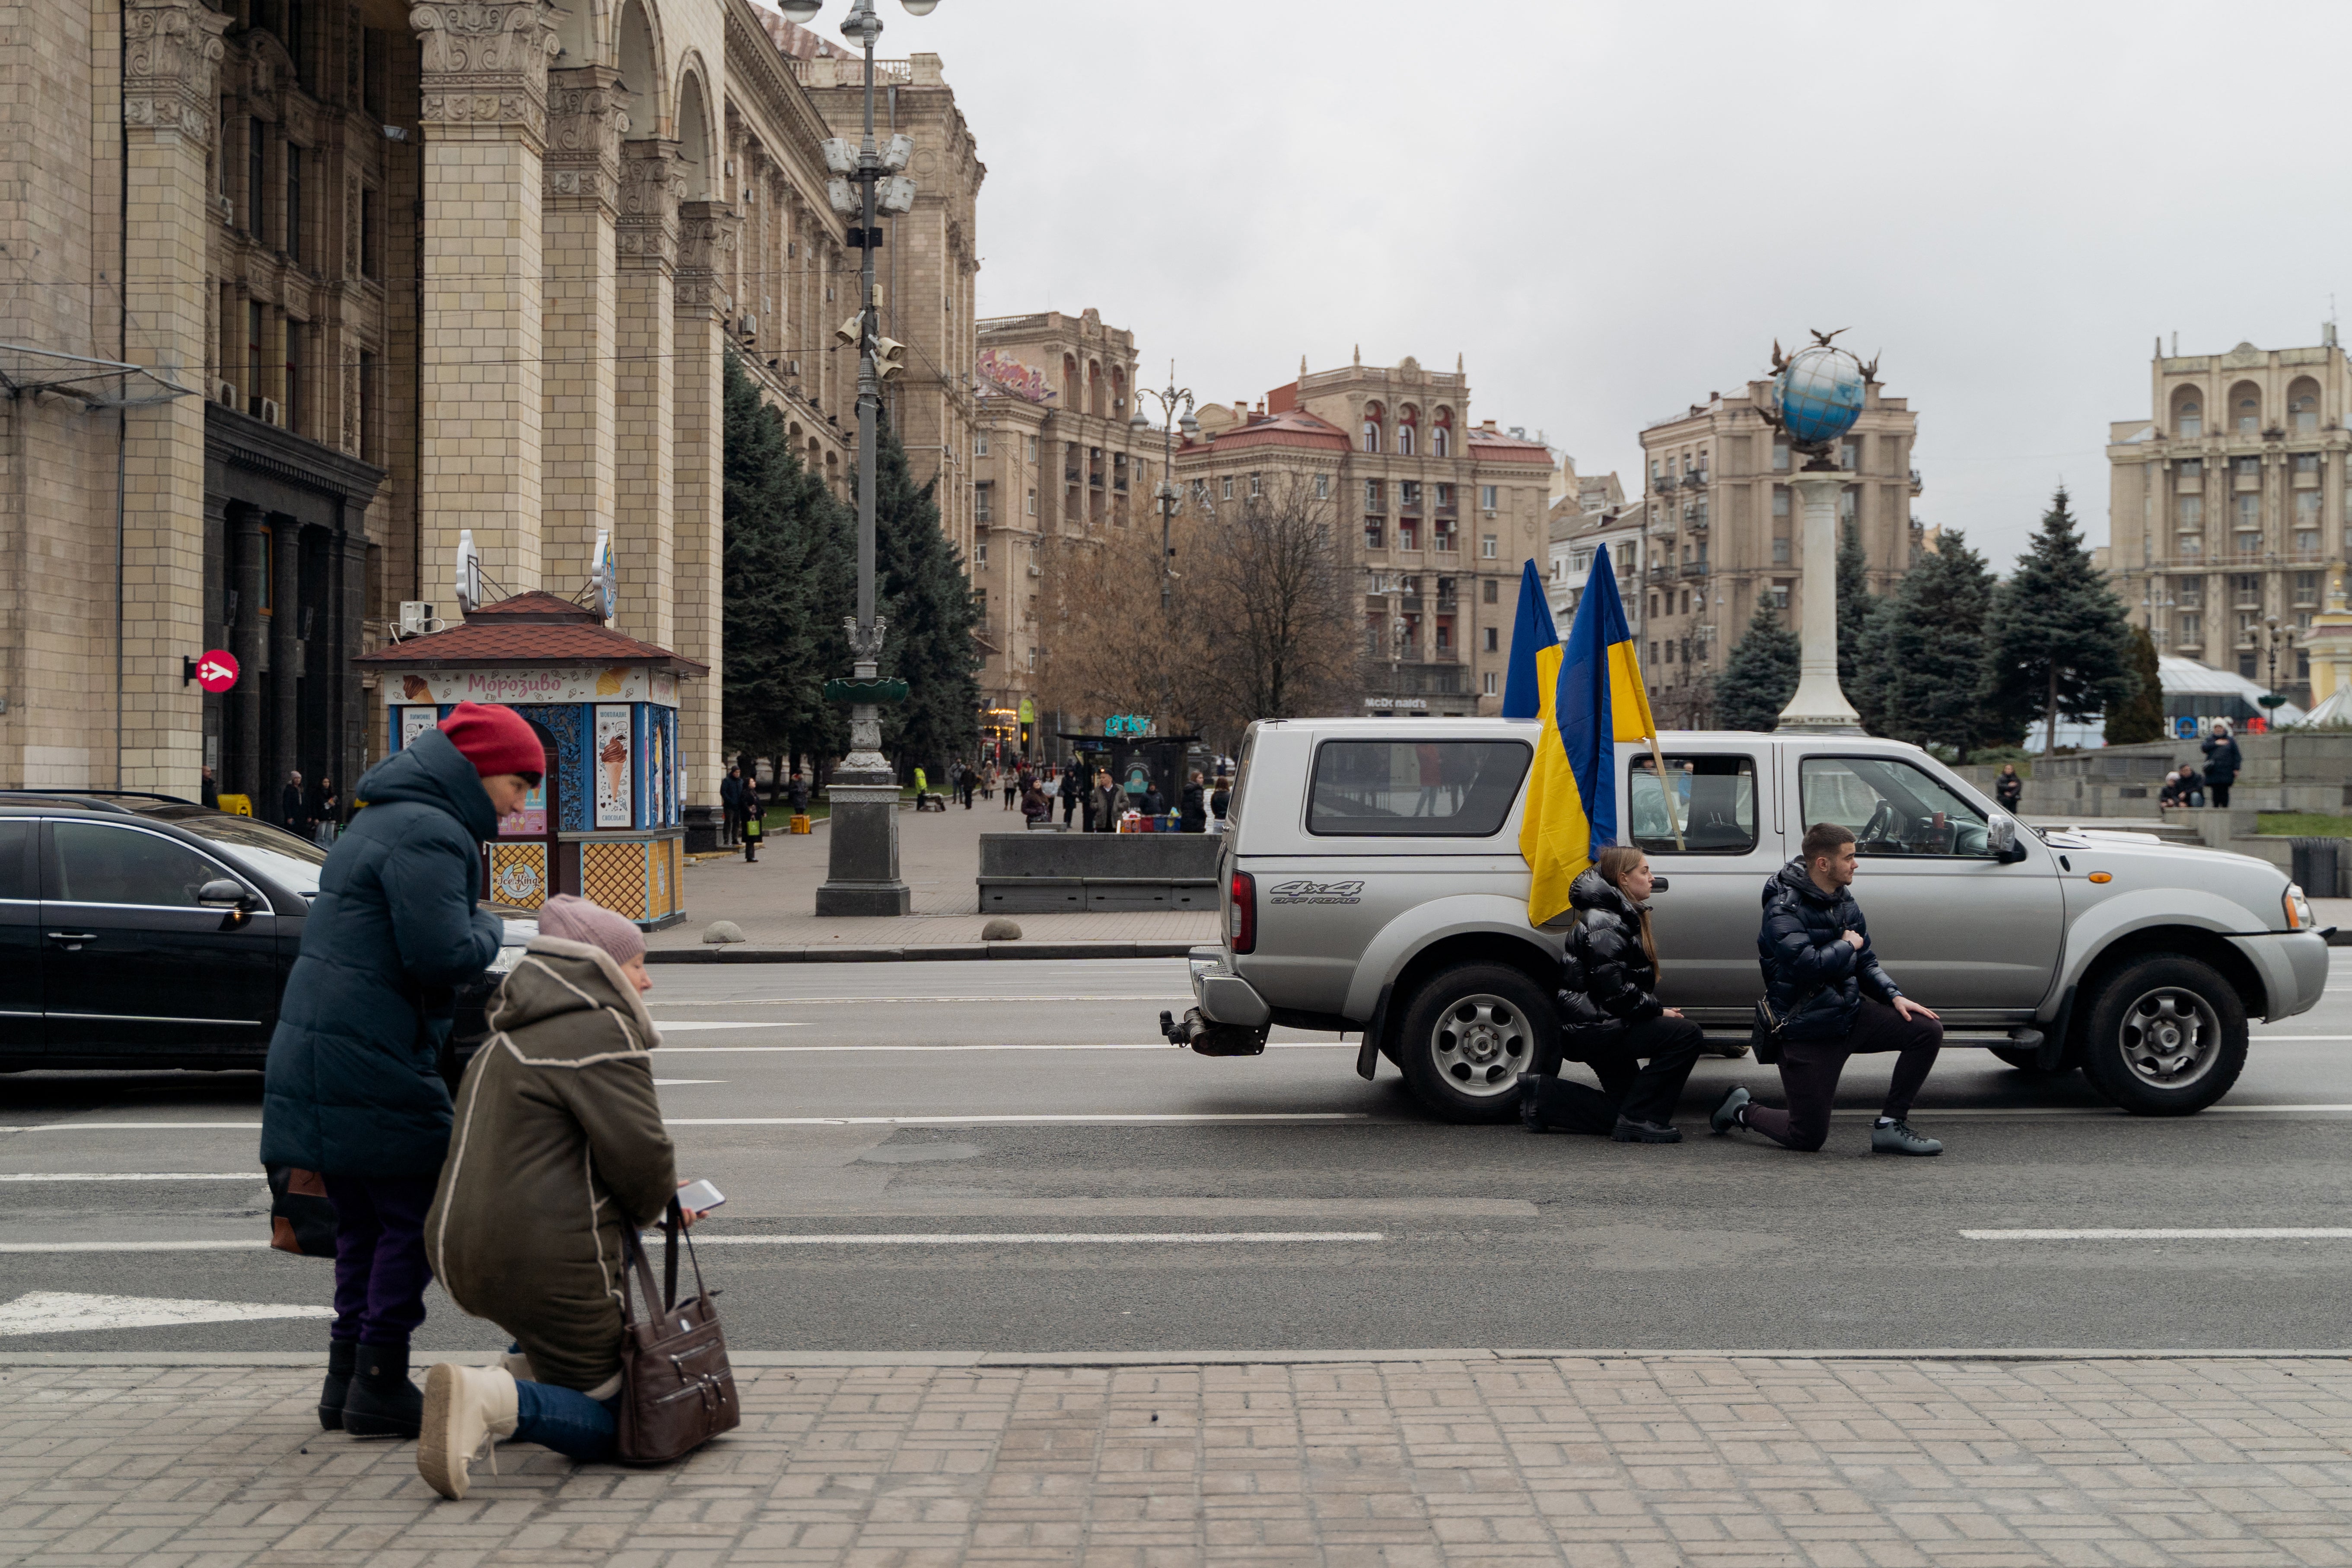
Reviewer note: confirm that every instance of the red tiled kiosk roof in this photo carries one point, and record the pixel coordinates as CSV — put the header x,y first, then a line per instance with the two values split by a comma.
x,y
529,629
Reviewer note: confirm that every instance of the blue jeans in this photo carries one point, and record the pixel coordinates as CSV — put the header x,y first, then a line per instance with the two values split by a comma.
x,y
565,1420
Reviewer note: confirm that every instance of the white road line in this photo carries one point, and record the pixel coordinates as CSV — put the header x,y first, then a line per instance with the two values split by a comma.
x,y
2175,1233
239,1244
254,1175
1033,1239
2259,1038
61,1312
690,1024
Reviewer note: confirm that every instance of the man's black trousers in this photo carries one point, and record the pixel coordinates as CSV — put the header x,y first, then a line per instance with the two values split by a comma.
x,y
1630,1088
1810,1071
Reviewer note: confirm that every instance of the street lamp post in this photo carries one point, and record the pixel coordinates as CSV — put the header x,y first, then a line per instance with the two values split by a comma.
x,y
862,864
1170,421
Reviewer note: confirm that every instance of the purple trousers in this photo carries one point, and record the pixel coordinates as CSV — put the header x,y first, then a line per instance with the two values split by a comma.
x,y
380,1268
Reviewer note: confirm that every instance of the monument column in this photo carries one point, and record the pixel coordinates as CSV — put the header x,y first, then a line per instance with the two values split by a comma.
x,y
709,236
586,120
644,337
484,96
1819,706
172,52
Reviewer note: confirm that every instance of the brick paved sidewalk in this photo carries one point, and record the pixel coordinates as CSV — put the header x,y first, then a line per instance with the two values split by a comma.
x,y
1619,1460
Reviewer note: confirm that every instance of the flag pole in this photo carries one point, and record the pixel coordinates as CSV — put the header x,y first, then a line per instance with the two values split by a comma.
x,y
1666,788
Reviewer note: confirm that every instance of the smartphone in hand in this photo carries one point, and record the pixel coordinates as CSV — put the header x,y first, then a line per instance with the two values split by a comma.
x,y
699,1197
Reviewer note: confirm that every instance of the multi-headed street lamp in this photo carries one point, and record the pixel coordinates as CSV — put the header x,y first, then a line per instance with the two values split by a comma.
x,y
862,870
1170,421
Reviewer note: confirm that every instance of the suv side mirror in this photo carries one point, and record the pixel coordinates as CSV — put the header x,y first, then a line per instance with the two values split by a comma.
x,y
2001,836
221,893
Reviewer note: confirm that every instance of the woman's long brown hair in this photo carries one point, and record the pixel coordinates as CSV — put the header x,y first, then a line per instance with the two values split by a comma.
x,y
1612,863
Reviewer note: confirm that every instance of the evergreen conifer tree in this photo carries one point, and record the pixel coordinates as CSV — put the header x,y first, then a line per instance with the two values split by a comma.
x,y
1924,656
2056,641
1761,676
2141,718
920,589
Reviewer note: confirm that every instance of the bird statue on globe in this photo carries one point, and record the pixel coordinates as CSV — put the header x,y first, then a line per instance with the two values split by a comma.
x,y
1817,395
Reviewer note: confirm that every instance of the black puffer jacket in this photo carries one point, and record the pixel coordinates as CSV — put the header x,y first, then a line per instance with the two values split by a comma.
x,y
1607,983
1808,964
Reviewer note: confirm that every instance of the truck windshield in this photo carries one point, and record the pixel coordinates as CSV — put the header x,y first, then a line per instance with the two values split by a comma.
x,y
1415,789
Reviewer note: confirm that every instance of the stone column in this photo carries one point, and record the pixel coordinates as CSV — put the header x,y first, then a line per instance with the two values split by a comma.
x,y
709,235
586,120
644,337
285,657
1819,706
485,121
247,557
172,52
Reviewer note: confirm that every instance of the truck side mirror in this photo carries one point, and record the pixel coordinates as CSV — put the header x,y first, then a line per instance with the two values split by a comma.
x,y
2001,836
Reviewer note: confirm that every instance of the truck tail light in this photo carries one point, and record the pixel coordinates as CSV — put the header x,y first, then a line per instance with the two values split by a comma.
x,y
1240,914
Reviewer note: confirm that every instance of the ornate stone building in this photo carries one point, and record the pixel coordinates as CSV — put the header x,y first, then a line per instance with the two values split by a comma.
x,y
2226,510
1722,531
299,290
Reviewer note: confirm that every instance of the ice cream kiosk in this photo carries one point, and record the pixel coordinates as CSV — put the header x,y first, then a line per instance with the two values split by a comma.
x,y
607,821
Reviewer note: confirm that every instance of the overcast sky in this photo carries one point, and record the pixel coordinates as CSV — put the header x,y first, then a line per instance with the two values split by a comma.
x,y
1612,209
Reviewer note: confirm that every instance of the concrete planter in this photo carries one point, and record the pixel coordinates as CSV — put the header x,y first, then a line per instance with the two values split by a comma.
x,y
1044,873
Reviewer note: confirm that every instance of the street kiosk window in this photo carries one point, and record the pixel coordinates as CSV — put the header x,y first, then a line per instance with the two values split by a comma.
x,y
1415,789
1892,809
1714,801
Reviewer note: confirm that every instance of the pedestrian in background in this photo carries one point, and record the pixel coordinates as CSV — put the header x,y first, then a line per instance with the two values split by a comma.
x,y
2170,794
1194,805
730,799
1821,977
354,1087
2193,784
1110,800
291,815
325,811
1073,786
558,1158
2009,789
1610,1018
2222,761
207,789
1012,785
1035,806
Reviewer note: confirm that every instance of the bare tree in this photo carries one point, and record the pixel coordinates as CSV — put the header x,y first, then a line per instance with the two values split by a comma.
x,y
1109,646
1283,636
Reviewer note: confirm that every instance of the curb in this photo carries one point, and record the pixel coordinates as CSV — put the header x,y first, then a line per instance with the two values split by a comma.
x,y
954,1360
731,952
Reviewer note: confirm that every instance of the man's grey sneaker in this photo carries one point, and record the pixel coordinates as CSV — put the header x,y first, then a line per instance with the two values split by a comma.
x,y
1727,1115
1900,1139
1644,1132
1531,1102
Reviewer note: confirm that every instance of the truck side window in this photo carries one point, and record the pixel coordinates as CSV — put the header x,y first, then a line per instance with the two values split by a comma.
x,y
1892,807
1714,800
1415,789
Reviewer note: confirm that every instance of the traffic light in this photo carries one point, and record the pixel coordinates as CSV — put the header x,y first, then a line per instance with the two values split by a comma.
x,y
889,358
1024,738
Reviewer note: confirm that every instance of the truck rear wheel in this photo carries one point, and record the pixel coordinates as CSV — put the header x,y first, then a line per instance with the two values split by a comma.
x,y
1469,1033
2168,1038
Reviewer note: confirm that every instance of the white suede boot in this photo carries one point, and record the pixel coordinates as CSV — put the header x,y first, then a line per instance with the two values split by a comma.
x,y
467,1410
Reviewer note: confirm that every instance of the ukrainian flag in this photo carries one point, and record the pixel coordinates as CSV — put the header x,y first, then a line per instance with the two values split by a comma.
x,y
1533,635
1590,697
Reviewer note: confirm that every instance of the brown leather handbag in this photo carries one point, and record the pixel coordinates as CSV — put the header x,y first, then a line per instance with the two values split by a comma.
x,y
677,1389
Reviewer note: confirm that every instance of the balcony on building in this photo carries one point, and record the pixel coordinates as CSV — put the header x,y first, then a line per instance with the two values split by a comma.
x,y
1694,568
1918,485
1662,571
1696,479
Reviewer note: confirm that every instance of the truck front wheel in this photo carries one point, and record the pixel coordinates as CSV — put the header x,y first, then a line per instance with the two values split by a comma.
x,y
1469,1033
2167,1037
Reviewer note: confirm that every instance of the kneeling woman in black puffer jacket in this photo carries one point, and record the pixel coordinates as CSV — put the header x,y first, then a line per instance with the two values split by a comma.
x,y
1610,1017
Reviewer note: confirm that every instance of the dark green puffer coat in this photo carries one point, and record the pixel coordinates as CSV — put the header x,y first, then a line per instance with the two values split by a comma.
x,y
352,1088
559,1152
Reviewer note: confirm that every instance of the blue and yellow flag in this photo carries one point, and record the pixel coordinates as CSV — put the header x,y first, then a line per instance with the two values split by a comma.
x,y
1594,700
1532,635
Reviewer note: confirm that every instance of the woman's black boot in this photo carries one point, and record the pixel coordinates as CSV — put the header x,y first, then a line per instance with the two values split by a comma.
x,y
343,1357
383,1402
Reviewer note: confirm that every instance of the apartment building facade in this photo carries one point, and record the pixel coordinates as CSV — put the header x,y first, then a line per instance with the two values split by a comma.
x,y
2227,507
1721,530
1436,515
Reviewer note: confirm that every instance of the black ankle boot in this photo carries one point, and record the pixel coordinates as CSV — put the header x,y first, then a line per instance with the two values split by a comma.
x,y
383,1402
343,1357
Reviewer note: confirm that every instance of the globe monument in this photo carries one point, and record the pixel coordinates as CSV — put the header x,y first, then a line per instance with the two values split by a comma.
x,y
1817,395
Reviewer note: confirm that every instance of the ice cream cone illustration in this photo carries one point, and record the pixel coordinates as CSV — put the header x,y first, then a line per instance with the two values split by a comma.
x,y
609,682
412,687
615,758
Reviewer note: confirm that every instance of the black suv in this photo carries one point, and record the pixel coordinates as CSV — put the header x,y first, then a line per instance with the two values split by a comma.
x,y
148,931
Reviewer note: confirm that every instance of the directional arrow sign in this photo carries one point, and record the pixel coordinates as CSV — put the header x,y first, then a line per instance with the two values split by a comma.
x,y
59,1312
216,672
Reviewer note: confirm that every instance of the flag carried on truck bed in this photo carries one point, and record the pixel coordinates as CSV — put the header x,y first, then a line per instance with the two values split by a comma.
x,y
1591,696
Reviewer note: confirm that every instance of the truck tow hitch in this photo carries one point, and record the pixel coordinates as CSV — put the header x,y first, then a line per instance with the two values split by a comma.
x,y
1213,1040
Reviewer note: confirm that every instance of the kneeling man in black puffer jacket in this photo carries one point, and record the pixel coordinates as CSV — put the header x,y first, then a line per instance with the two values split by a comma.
x,y
1820,975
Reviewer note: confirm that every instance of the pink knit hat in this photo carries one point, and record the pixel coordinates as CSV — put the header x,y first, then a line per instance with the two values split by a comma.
x,y
574,919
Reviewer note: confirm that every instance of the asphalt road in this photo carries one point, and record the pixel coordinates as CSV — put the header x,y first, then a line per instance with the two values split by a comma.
x,y
1011,1160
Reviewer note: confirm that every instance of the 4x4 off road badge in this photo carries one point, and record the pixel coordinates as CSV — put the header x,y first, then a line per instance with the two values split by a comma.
x,y
1304,892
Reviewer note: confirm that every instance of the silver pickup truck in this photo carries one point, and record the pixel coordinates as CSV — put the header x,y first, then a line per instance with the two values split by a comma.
x,y
1371,881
